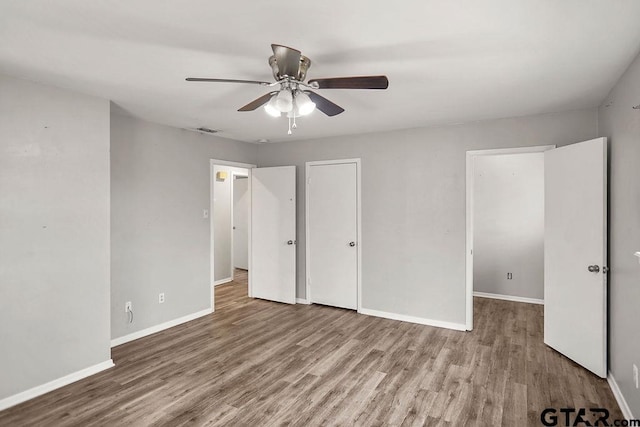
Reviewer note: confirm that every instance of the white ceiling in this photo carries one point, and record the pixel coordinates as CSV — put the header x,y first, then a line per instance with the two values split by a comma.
x,y
447,61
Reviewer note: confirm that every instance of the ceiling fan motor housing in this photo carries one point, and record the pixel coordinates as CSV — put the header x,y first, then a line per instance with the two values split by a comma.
x,y
304,65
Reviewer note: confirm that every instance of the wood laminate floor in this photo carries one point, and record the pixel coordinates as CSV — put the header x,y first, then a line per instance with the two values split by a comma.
x,y
257,363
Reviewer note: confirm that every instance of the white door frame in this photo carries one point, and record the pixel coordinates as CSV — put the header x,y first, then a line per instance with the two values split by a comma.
x,y
308,166
469,216
212,163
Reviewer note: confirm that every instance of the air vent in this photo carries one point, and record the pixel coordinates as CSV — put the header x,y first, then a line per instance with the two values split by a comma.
x,y
207,130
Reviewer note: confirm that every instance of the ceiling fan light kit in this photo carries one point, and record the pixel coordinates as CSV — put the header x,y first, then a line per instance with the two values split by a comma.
x,y
293,102
294,97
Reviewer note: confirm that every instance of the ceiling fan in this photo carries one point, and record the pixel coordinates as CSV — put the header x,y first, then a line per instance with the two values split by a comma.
x,y
295,97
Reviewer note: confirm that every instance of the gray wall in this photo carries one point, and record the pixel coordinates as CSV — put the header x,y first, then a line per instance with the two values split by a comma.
x,y
508,234
160,241
54,234
621,124
222,223
413,235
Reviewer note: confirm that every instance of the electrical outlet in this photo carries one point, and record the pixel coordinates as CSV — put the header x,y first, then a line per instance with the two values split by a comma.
x,y
127,306
161,298
635,374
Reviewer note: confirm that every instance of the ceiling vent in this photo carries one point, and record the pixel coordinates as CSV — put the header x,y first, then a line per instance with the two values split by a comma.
x,y
207,130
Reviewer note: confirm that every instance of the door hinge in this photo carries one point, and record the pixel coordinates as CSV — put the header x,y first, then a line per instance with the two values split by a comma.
x,y
605,269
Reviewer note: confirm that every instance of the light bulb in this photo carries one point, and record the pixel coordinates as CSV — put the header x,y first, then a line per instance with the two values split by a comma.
x,y
271,108
284,101
304,104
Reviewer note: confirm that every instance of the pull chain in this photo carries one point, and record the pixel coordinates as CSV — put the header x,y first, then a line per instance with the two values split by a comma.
x,y
294,121
289,133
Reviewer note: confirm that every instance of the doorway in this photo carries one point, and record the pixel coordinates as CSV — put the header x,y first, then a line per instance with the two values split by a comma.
x,y
222,177
333,233
491,223
574,251
270,225
508,227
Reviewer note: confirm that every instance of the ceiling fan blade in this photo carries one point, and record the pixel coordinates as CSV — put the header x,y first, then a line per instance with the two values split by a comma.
x,y
288,60
324,105
362,82
257,102
254,82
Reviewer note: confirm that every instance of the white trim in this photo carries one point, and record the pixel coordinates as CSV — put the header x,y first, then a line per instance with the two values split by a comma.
x,y
509,298
622,403
212,163
302,301
359,241
413,319
469,244
249,236
308,166
23,396
157,328
307,248
470,155
222,281
517,150
605,255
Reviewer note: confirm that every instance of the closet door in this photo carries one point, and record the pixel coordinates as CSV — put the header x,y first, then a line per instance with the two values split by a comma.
x,y
332,233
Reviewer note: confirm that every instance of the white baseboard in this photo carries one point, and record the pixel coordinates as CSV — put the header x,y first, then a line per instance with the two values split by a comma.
x,y
413,319
157,328
622,403
509,298
23,396
302,301
222,281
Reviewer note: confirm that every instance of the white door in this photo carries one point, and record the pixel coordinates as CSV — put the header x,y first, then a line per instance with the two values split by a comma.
x,y
575,280
241,222
332,234
272,271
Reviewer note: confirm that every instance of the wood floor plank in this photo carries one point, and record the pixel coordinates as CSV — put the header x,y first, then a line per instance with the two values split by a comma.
x,y
255,362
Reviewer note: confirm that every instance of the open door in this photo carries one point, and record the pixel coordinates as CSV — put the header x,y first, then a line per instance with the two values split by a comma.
x,y
272,269
575,279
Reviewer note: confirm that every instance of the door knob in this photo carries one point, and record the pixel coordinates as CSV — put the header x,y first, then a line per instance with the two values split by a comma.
x,y
352,244
593,268
289,242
